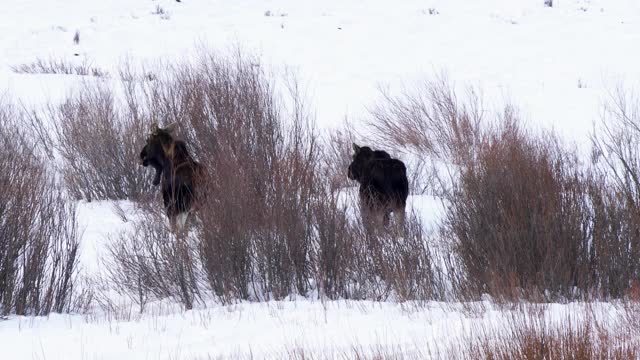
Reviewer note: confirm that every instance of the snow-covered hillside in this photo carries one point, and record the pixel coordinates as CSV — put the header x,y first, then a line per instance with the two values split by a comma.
x,y
556,64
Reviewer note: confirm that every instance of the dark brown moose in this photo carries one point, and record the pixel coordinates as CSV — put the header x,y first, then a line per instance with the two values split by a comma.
x,y
384,187
175,170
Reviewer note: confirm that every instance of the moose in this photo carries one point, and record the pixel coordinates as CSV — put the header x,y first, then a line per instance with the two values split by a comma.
x,y
384,187
175,170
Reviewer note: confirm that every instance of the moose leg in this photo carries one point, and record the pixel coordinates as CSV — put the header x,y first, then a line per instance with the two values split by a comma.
x,y
368,218
172,214
181,220
156,178
177,218
386,214
367,212
172,223
399,215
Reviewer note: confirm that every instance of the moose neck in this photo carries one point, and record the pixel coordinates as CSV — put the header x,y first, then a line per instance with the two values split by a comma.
x,y
169,165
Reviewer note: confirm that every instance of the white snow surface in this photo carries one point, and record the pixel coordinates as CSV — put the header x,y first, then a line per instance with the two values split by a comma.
x,y
556,64
265,330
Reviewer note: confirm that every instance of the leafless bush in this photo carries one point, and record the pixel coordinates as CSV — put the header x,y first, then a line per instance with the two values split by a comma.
x,y
151,263
39,237
400,259
337,240
285,201
59,66
357,261
255,234
337,157
430,119
615,194
262,161
524,216
518,218
431,123
98,139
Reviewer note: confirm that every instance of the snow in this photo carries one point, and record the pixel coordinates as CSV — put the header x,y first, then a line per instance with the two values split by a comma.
x,y
97,221
557,64
262,330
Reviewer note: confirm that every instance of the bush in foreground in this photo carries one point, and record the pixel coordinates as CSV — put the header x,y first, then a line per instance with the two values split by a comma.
x,y
524,217
39,235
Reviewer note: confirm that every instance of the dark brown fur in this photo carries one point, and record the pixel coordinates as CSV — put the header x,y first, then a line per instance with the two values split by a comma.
x,y
175,170
384,187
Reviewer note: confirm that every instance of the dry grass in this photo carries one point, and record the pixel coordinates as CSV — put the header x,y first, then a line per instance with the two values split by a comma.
x,y
59,66
534,335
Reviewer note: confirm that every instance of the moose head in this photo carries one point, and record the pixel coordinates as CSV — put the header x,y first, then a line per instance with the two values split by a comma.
x,y
362,156
156,149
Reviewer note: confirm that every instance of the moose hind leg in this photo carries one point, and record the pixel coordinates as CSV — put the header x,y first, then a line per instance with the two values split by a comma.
x,y
156,178
172,222
386,214
400,218
172,216
181,219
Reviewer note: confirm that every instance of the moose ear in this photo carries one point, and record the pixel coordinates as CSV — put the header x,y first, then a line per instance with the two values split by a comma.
x,y
154,127
356,148
171,127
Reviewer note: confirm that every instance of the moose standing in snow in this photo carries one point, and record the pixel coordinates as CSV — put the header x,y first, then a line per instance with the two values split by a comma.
x,y
176,171
384,187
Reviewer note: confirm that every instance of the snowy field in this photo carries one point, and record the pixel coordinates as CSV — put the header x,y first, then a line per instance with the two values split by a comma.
x,y
556,64
340,329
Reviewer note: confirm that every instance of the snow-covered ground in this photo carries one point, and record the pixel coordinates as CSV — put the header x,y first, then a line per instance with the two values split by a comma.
x,y
556,64
265,330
